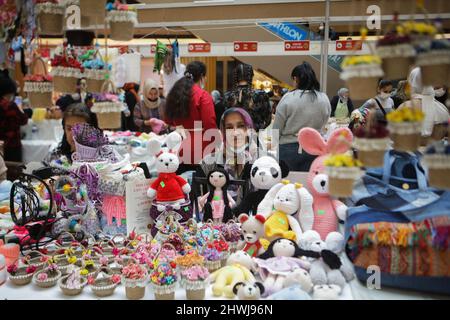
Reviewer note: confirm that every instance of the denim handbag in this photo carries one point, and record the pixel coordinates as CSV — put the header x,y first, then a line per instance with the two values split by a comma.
x,y
403,231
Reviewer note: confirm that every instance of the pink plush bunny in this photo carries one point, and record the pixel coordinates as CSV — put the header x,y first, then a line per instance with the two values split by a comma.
x,y
325,208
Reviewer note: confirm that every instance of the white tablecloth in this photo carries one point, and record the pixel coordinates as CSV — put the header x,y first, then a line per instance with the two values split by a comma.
x,y
36,150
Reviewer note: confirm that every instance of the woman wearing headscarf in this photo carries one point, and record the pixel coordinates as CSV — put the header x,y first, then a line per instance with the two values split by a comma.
x,y
147,113
341,105
423,97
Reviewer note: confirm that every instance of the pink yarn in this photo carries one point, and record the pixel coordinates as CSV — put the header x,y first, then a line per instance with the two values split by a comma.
x,y
114,207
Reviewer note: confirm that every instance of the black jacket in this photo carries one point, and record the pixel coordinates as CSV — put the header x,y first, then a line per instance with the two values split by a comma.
x,y
334,101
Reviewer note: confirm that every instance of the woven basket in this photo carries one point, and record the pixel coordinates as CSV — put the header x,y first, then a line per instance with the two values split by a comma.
x,y
50,24
397,67
340,187
103,287
21,278
65,84
85,152
50,282
39,99
71,291
94,9
94,85
362,88
122,31
109,120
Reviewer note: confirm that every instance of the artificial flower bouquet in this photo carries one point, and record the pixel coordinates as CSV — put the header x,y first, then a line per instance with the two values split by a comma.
x,y
191,258
195,280
164,280
397,53
342,170
134,276
421,33
122,19
232,234
437,161
88,140
66,71
50,16
405,126
212,257
371,142
361,73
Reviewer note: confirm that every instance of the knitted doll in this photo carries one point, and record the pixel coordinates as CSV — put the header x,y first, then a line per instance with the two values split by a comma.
x,y
217,203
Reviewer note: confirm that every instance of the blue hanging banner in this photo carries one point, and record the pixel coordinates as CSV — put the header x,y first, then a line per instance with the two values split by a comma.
x,y
286,30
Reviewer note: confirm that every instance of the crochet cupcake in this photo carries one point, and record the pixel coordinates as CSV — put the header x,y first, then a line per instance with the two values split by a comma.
x,y
437,160
21,276
134,276
405,126
73,283
361,73
48,277
342,170
371,141
163,279
195,280
122,19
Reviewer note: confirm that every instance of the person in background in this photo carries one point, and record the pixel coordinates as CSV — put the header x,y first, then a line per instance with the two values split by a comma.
x,y
131,100
436,114
12,117
161,91
441,95
218,105
187,106
80,96
341,105
150,107
237,147
73,114
255,102
303,107
382,102
400,95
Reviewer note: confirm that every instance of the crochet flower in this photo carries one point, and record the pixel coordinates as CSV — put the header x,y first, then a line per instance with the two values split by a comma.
x,y
31,269
406,115
115,251
196,273
360,60
103,260
134,272
116,278
12,269
72,259
42,276
342,160
211,254
90,280
163,275
84,272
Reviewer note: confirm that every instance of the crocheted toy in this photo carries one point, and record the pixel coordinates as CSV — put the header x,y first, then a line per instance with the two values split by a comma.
x,y
217,202
326,210
252,229
248,290
321,272
237,270
168,187
288,210
326,292
264,173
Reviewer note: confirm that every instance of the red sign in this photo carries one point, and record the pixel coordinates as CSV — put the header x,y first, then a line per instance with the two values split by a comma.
x,y
342,45
296,45
153,47
199,47
246,46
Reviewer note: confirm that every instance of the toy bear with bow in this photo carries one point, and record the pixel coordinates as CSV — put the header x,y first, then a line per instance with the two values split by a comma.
x,y
327,211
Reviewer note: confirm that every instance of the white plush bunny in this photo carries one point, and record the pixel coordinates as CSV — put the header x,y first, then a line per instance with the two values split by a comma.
x,y
168,188
287,202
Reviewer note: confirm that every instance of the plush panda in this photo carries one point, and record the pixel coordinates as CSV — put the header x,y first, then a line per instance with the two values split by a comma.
x,y
264,173
248,291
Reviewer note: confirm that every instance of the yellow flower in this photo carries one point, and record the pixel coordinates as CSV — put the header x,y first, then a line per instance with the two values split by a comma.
x,y
72,260
405,115
341,160
84,272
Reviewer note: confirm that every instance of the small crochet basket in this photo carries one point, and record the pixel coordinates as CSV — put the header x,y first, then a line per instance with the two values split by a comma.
x,y
108,112
37,86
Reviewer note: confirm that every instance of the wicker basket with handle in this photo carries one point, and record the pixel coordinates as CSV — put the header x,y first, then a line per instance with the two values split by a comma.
x,y
39,92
